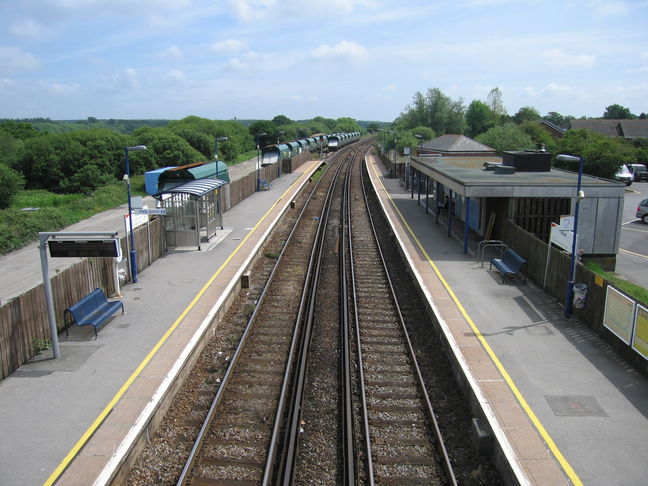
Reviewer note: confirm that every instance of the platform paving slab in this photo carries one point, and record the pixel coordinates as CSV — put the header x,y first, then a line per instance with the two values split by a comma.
x,y
47,405
593,405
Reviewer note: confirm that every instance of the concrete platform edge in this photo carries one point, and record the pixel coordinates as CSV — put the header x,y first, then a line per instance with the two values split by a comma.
x,y
505,456
154,410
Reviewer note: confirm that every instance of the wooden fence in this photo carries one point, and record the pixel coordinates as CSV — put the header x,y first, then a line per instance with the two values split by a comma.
x,y
24,323
534,251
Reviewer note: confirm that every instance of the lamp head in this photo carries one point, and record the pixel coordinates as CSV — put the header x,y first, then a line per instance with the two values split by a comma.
x,y
136,148
567,158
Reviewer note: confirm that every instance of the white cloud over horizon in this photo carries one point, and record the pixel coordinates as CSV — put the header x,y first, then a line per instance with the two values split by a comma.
x,y
360,58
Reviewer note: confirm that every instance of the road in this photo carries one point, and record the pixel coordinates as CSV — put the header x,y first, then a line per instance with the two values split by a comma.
x,y
632,259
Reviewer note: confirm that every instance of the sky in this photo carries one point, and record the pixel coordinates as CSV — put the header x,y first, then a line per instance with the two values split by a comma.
x,y
365,59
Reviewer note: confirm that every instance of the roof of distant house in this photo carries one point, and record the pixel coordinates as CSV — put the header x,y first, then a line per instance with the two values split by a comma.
x,y
453,144
614,127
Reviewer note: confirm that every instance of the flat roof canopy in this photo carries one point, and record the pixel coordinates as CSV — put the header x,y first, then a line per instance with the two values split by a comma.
x,y
197,188
467,177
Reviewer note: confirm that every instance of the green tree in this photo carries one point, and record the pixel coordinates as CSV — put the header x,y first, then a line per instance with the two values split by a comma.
x,y
426,133
603,155
479,118
164,149
329,123
57,162
434,110
11,182
267,127
19,130
526,114
495,102
539,135
346,124
617,112
558,119
281,120
506,137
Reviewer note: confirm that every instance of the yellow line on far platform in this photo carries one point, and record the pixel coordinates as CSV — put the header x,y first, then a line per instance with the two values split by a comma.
x,y
569,471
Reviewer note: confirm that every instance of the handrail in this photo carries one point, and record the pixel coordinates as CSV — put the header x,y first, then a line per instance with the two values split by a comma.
x,y
482,245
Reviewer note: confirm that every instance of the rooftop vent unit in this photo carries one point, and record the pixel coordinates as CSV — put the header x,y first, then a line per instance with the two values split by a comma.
x,y
528,161
491,165
505,169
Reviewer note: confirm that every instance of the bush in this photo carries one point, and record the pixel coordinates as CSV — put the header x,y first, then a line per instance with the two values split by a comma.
x,y
10,183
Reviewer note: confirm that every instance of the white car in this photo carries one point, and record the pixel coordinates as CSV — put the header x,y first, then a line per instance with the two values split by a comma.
x,y
624,175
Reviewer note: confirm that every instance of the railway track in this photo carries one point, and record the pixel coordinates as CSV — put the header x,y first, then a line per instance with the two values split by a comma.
x,y
323,386
237,441
401,439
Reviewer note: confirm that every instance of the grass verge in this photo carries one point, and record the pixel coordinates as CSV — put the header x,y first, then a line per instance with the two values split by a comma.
x,y
636,291
47,211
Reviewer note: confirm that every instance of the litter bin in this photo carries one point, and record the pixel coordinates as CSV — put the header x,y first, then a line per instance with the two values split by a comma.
x,y
580,292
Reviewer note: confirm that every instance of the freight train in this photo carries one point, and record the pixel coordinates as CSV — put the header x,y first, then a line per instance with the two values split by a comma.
x,y
273,153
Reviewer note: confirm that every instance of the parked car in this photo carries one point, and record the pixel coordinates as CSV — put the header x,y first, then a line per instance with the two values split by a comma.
x,y
624,175
639,172
642,211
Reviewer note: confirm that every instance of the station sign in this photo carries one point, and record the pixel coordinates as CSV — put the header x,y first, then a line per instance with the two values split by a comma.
x,y
70,248
150,211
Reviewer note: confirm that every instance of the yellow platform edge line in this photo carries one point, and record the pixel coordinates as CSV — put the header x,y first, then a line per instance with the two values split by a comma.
x,y
569,471
120,393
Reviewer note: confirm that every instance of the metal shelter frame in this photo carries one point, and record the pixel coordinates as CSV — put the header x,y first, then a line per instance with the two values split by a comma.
x,y
194,210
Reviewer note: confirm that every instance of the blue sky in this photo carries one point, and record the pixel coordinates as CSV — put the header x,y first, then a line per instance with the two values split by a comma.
x,y
70,59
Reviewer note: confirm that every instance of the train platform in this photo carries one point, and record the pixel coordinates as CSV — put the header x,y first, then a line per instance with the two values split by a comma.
x,y
65,420
565,407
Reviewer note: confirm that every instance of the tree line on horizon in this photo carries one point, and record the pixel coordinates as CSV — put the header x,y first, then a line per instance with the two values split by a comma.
x,y
80,157
434,114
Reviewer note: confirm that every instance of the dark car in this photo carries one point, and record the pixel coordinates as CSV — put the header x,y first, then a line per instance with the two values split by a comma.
x,y
639,172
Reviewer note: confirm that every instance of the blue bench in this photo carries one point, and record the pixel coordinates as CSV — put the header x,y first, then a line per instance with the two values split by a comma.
x,y
264,185
510,264
94,309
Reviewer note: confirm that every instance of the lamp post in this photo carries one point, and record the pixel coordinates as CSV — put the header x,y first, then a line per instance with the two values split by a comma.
x,y
259,135
278,152
569,292
216,140
133,254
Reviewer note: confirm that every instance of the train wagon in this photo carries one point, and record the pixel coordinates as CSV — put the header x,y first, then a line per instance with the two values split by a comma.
x,y
271,154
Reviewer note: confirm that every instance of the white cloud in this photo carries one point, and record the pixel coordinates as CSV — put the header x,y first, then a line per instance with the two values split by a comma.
x,y
602,8
172,52
14,59
390,88
552,89
343,50
559,59
62,89
229,46
26,28
237,65
176,75
250,10
124,80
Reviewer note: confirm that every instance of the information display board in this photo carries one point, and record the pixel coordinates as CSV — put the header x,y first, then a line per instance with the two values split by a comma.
x,y
83,248
619,314
640,335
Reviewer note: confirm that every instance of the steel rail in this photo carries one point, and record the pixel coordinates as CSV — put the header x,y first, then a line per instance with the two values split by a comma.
x,y
348,435
291,442
421,384
361,381
287,388
184,475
